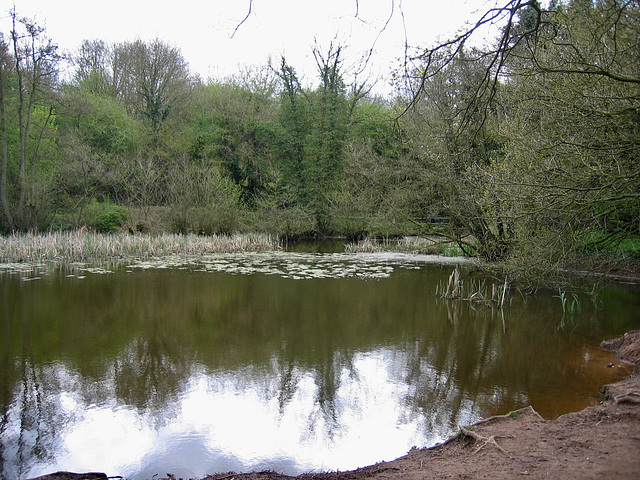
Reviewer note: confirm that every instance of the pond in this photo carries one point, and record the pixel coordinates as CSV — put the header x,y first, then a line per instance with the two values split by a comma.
x,y
293,362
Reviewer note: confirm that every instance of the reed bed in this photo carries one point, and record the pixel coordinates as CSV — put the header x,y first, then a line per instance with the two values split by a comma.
x,y
84,246
409,244
366,245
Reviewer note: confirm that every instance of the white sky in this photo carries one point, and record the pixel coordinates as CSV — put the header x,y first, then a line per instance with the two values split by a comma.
x,y
203,29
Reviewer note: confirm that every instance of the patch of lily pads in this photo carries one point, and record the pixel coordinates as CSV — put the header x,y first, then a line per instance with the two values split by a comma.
x,y
297,266
28,271
292,265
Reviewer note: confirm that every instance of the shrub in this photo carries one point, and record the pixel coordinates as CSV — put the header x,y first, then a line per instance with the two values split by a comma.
x,y
202,200
105,217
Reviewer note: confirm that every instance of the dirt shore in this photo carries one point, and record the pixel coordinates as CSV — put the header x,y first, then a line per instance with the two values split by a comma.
x,y
599,442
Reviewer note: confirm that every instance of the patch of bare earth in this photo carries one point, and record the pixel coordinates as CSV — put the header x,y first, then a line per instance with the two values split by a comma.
x,y
599,442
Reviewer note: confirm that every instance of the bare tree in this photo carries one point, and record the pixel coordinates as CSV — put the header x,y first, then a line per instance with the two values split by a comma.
x,y
93,62
151,77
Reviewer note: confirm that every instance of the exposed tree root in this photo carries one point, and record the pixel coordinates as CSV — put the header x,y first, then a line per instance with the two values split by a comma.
x,y
629,398
513,414
485,441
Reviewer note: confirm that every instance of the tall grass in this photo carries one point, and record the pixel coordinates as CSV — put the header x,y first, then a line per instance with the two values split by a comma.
x,y
473,291
79,246
407,244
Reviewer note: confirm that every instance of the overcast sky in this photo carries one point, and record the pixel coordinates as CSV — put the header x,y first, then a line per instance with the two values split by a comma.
x,y
204,29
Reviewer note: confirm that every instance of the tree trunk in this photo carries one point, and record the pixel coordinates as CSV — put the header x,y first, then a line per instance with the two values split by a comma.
x,y
5,156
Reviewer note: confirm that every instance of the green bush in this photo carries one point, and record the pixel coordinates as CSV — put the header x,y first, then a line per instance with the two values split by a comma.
x,y
275,217
105,217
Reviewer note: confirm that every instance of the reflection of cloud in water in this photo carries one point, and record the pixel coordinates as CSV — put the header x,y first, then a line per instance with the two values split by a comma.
x,y
104,437
225,424
187,454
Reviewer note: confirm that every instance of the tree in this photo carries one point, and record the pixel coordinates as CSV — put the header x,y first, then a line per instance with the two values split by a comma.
x,y
555,106
324,156
202,199
28,75
314,128
5,71
152,78
456,141
93,62
295,123
231,126
574,136
378,187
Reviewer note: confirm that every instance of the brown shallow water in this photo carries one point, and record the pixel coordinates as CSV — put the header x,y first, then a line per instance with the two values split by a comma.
x,y
331,361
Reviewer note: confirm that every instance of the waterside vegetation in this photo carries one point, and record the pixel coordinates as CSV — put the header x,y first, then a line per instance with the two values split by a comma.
x,y
86,246
472,290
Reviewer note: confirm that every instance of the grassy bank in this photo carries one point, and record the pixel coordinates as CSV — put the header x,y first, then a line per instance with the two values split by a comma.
x,y
79,246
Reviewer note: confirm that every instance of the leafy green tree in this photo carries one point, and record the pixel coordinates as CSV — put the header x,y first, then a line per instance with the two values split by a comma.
x,y
324,149
5,74
231,126
102,122
28,75
294,121
314,129
99,143
377,188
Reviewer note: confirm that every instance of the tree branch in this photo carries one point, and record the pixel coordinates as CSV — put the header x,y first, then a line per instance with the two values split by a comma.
x,y
243,20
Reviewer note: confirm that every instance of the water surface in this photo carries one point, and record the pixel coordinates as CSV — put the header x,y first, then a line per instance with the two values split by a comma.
x,y
293,362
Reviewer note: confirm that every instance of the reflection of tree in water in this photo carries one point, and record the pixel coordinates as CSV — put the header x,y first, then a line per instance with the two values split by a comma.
x,y
327,372
448,372
288,376
452,367
473,364
35,435
150,374
29,408
327,376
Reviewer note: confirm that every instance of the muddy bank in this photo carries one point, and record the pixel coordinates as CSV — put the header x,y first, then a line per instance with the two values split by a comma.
x,y
599,442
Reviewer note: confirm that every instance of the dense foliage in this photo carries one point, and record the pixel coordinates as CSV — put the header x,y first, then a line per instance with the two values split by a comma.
x,y
524,153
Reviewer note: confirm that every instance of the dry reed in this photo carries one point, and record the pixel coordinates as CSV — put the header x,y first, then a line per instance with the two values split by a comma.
x,y
82,246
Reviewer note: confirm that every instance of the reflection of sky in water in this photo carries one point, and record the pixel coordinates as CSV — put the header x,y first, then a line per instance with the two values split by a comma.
x,y
221,424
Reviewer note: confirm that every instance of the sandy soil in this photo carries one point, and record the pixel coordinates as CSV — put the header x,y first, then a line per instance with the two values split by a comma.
x,y
598,442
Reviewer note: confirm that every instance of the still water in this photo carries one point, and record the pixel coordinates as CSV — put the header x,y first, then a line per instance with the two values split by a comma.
x,y
294,362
